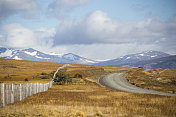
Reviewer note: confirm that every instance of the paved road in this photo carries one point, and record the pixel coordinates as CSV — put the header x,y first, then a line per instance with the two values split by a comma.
x,y
118,81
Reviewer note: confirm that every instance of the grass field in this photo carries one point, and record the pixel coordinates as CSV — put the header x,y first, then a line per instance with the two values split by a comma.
x,y
156,79
84,97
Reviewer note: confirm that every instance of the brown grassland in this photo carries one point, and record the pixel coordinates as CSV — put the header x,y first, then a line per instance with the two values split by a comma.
x,y
84,97
156,79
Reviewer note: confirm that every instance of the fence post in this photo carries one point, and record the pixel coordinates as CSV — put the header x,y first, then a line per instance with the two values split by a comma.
x,y
20,92
40,87
27,90
47,85
12,93
2,95
7,94
43,87
30,89
23,91
36,87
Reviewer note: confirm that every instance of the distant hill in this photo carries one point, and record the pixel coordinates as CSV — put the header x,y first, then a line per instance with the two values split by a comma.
x,y
148,59
168,62
34,55
133,58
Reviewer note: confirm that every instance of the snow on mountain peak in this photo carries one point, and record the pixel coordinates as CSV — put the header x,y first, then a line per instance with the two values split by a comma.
x,y
34,55
31,53
52,53
141,54
6,53
71,56
17,58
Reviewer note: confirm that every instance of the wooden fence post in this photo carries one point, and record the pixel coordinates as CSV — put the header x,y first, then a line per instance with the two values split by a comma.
x,y
12,93
30,89
27,90
36,87
7,94
20,92
2,95
40,87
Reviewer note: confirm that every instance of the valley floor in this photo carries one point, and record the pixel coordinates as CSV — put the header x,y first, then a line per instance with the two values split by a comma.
x,y
91,100
84,97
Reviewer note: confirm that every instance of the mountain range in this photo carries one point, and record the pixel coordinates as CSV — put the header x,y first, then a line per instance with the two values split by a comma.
x,y
133,58
147,59
34,55
168,62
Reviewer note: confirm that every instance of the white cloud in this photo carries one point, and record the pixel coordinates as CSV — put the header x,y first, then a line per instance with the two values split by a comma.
x,y
62,8
103,51
99,28
20,37
10,7
97,36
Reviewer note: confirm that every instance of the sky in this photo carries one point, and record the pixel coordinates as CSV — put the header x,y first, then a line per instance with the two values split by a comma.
x,y
95,29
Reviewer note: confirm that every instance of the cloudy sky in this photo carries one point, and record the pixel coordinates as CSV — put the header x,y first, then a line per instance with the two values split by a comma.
x,y
96,29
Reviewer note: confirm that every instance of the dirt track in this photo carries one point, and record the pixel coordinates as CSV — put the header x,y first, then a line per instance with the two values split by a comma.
x,y
118,81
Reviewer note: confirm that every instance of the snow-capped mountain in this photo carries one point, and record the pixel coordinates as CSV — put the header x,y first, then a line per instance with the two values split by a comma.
x,y
77,59
168,62
133,58
147,59
34,55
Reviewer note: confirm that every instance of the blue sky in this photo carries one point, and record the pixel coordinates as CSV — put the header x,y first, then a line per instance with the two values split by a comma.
x,y
86,27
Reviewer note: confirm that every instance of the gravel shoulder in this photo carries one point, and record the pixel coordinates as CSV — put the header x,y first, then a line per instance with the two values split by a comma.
x,y
118,81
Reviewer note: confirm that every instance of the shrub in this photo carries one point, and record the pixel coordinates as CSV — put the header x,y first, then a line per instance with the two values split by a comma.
x,y
43,73
173,82
26,79
77,76
45,77
99,114
8,76
62,78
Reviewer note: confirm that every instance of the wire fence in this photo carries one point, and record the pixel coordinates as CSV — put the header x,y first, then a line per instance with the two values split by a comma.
x,y
10,93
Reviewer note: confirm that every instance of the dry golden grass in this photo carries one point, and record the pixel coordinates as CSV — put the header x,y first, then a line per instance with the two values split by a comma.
x,y
19,70
91,100
84,98
156,79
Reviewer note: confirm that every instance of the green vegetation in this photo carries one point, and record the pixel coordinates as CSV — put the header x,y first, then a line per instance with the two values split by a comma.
x,y
77,75
62,77
43,73
26,79
8,76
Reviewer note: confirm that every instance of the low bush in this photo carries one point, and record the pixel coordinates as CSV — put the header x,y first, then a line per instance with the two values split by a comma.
x,y
43,73
45,77
77,75
62,78
26,79
8,76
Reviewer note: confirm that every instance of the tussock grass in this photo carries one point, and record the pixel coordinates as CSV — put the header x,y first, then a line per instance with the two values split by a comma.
x,y
156,79
25,69
84,97
92,100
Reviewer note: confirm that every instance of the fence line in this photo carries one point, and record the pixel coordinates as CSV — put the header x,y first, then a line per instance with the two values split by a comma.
x,y
11,93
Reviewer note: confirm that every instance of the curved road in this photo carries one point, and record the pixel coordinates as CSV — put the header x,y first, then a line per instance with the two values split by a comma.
x,y
118,81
